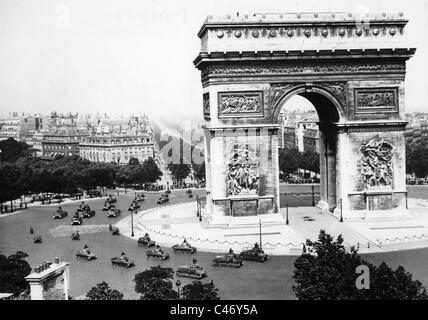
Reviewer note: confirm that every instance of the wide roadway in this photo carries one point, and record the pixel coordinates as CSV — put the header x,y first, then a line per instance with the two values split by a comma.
x,y
270,280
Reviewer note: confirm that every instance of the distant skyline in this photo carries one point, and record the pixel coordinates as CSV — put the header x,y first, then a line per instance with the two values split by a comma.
x,y
131,56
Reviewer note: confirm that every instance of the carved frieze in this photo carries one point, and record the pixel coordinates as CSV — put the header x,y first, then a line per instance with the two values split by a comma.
x,y
376,163
206,105
247,103
298,67
369,100
242,174
338,89
277,91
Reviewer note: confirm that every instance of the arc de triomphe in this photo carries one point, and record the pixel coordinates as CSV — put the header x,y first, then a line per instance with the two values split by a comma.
x,y
353,73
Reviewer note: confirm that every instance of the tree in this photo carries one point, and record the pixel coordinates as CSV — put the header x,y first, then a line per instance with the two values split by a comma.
x,y
326,270
133,162
10,187
200,291
152,173
199,171
179,171
12,150
310,160
155,284
102,291
289,160
13,270
417,159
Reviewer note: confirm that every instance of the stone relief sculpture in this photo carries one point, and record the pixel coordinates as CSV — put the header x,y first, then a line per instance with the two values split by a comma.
x,y
206,104
272,67
376,99
240,103
242,174
278,90
376,163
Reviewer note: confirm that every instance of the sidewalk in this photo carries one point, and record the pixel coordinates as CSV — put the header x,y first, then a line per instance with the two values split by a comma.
x,y
169,225
54,203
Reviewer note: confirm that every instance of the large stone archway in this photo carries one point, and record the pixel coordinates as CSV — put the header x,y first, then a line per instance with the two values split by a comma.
x,y
353,74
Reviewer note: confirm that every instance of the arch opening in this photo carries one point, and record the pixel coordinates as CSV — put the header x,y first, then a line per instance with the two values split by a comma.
x,y
307,124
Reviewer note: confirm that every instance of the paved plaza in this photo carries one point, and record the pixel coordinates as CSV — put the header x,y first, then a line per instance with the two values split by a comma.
x,y
172,223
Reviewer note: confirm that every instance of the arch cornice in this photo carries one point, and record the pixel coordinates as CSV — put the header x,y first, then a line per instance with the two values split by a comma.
x,y
336,92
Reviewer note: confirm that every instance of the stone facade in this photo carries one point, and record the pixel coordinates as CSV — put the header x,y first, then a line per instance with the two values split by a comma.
x,y
355,80
117,148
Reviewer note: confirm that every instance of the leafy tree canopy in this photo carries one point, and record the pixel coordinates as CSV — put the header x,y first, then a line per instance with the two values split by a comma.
x,y
200,291
326,270
13,270
155,284
102,291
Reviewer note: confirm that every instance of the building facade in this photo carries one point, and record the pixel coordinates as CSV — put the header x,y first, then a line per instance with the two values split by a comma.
x,y
117,148
17,128
62,142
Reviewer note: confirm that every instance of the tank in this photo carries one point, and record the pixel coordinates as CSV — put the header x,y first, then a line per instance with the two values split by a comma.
x,y
82,254
76,220
140,197
229,259
133,206
110,199
157,253
75,236
115,231
113,213
108,206
117,261
184,248
163,199
37,239
88,213
194,271
59,214
254,254
146,241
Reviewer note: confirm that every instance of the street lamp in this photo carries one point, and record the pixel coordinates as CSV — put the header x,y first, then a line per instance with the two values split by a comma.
x,y
178,284
132,222
286,220
341,216
286,209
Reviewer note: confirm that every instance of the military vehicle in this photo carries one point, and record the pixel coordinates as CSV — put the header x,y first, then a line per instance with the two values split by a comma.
x,y
76,220
157,253
229,259
120,262
134,205
86,254
185,247
75,236
110,199
163,199
140,197
115,231
254,254
108,206
193,270
59,214
37,239
146,241
113,213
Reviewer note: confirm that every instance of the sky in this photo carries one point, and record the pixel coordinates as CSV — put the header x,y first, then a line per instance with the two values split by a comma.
x,y
136,56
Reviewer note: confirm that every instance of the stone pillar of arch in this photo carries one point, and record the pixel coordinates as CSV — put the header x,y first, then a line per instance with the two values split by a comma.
x,y
354,76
